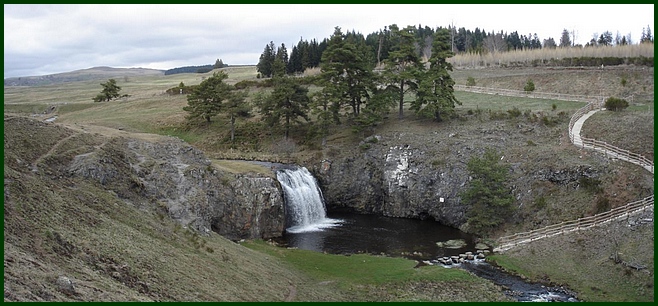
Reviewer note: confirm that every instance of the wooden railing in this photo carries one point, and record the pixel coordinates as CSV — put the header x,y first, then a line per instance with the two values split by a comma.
x,y
593,103
602,146
528,94
508,242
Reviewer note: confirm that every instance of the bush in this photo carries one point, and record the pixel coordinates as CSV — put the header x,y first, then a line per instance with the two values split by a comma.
x,y
514,112
470,81
529,86
591,185
615,104
488,198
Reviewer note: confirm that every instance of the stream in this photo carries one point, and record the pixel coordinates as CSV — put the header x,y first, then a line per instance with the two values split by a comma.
x,y
417,240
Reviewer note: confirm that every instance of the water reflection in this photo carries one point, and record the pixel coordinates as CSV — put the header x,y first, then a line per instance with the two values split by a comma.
x,y
380,235
414,239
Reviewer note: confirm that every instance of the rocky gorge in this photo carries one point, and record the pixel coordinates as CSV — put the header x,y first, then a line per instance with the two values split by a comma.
x,y
163,175
417,172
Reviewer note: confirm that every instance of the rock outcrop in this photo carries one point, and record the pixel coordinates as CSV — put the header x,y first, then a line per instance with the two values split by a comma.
x,y
176,179
395,180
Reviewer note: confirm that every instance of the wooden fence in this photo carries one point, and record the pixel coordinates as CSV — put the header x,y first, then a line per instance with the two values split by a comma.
x,y
528,94
593,103
508,242
602,146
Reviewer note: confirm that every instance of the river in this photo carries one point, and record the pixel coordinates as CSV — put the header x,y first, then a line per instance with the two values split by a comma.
x,y
417,240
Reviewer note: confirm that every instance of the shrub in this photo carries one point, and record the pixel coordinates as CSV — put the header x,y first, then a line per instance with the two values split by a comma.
x,y
615,104
602,205
529,86
488,198
591,185
470,81
514,112
540,202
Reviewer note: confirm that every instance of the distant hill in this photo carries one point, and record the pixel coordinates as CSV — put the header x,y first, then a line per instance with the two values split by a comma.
x,y
190,69
94,73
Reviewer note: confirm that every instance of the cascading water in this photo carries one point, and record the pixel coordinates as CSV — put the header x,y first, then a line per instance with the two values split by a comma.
x,y
305,210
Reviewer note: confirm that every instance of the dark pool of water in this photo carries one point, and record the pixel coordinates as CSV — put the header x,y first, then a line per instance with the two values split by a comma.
x,y
413,239
373,234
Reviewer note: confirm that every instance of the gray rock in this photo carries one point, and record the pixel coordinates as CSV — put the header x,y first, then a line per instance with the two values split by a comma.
x,y
181,182
65,285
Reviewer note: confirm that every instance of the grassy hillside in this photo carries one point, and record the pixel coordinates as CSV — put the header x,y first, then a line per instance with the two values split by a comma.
x,y
116,251
60,228
95,73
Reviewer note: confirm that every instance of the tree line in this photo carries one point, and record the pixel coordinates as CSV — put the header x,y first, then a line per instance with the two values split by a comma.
x,y
197,69
379,45
351,90
361,78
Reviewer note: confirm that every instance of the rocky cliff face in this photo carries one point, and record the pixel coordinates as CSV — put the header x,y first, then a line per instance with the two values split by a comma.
x,y
397,180
175,179
419,171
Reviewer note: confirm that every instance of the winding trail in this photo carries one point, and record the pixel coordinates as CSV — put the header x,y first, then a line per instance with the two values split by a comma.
x,y
595,104
50,152
578,125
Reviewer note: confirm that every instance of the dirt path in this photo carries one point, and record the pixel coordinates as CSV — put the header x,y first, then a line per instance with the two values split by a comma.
x,y
292,294
112,132
35,164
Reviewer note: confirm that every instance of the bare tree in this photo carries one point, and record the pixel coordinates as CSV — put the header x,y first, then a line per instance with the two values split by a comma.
x,y
573,37
495,43
549,43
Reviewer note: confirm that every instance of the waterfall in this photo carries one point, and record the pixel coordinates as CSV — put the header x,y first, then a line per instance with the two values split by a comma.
x,y
305,210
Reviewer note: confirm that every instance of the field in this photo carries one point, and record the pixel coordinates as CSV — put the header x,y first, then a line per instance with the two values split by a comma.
x,y
545,56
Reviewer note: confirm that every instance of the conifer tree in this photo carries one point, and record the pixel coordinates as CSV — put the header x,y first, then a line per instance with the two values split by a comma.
x,y
403,64
206,99
287,104
435,94
266,60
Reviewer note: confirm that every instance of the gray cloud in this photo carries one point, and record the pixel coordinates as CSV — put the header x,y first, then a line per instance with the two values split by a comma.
x,y
45,39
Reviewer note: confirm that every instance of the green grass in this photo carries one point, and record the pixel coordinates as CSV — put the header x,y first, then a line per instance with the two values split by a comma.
x,y
473,101
591,274
508,263
238,166
25,108
359,268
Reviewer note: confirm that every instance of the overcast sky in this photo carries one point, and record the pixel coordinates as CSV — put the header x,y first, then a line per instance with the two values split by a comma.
x,y
47,39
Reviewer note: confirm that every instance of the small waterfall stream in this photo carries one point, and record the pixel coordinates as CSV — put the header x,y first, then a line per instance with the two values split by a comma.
x,y
306,219
305,210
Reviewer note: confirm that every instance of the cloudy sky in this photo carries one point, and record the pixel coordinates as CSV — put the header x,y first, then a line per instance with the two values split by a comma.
x,y
46,39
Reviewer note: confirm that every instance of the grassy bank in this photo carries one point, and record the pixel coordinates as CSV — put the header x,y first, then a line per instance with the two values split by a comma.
x,y
378,278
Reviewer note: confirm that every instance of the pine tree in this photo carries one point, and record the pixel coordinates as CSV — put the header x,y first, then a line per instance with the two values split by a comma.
x,y
489,199
206,99
295,61
346,71
282,54
266,60
435,94
236,107
403,64
565,39
110,91
287,103
218,64
646,35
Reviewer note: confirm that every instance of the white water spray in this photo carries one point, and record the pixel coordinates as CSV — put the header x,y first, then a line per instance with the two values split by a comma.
x,y
304,201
